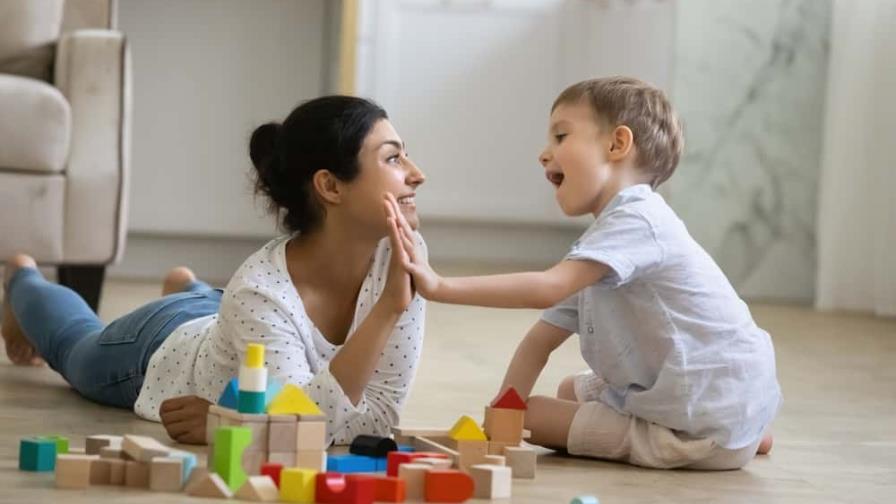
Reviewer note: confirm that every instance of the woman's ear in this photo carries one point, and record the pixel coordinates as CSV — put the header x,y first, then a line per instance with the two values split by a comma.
x,y
622,141
327,187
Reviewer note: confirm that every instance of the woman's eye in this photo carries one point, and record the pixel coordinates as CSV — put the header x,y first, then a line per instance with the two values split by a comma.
x,y
560,137
393,159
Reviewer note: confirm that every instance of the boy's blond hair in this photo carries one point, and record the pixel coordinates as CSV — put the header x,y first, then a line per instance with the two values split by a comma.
x,y
626,101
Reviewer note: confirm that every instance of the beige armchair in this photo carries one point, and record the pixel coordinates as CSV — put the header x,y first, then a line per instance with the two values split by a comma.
x,y
64,137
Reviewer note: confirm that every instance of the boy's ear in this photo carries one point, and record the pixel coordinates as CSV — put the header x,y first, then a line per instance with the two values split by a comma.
x,y
622,142
327,187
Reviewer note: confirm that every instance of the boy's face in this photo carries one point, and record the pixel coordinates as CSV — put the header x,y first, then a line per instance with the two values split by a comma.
x,y
575,159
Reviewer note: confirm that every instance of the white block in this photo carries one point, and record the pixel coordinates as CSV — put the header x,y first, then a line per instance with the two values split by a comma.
x,y
253,379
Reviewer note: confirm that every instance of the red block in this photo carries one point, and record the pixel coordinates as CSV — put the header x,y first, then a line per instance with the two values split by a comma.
x,y
510,399
273,470
395,459
390,489
337,488
448,485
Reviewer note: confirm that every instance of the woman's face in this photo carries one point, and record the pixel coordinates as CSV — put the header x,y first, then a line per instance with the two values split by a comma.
x,y
384,167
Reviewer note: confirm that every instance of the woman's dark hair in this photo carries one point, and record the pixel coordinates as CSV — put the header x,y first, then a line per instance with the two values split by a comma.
x,y
321,134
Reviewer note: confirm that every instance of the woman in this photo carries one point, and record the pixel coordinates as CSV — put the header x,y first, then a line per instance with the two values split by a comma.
x,y
337,314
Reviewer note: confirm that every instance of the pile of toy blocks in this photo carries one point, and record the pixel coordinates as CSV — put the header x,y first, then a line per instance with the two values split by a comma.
x,y
130,460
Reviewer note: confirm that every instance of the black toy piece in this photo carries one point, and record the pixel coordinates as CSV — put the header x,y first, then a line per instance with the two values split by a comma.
x,y
372,446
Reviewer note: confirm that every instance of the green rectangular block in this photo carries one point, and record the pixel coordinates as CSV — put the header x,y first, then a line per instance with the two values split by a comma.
x,y
230,442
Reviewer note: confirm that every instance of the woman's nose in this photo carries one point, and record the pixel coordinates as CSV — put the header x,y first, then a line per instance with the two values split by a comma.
x,y
415,175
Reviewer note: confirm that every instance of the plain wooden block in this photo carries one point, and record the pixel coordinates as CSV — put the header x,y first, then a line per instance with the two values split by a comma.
x,y
209,485
414,476
286,459
259,489
426,432
101,472
166,474
136,474
497,448
438,463
99,441
282,434
73,470
113,452
495,460
116,471
212,422
491,481
253,460
470,452
430,445
143,448
504,425
521,460
311,435
259,434
312,459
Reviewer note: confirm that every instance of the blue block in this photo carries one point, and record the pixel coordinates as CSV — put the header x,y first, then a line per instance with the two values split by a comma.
x,y
381,464
189,462
274,388
350,463
585,499
37,454
230,396
405,448
251,402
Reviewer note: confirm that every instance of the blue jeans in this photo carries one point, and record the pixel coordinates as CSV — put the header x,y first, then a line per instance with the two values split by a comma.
x,y
104,363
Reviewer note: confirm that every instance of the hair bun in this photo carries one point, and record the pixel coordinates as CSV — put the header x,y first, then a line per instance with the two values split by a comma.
x,y
263,144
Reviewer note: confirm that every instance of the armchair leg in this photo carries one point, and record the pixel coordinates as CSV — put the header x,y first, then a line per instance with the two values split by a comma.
x,y
85,280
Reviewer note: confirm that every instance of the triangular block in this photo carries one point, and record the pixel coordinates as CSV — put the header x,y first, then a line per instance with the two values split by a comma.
x,y
210,485
509,399
230,397
293,401
274,388
259,489
466,429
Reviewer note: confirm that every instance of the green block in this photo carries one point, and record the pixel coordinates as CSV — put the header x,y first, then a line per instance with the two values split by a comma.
x,y
230,442
37,454
251,402
61,443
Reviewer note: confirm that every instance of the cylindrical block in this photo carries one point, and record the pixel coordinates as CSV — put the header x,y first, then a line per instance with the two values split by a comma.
x,y
254,355
372,446
251,402
253,379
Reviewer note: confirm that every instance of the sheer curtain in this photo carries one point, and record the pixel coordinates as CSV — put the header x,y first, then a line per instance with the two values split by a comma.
x,y
857,201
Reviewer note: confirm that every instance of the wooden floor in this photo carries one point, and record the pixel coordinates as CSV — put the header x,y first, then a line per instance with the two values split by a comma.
x,y
835,440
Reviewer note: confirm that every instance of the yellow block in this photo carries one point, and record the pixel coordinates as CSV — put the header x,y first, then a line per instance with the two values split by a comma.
x,y
297,485
292,401
467,429
254,355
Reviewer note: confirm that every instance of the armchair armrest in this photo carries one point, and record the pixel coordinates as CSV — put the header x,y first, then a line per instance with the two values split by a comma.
x,y
93,72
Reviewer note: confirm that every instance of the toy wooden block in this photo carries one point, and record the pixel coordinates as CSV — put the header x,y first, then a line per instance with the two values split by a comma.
x,y
414,476
395,459
136,474
447,485
423,444
230,442
509,399
497,447
101,472
188,460
73,470
293,401
99,441
252,460
298,485
584,499
166,474
389,489
495,460
282,431
312,459
61,442
466,429
37,454
143,448
286,459
491,481
470,452
504,425
258,489
372,446
209,485
337,488
273,470
405,435
229,397
111,452
116,471
311,435
351,463
197,474
521,460
212,422
253,381
438,463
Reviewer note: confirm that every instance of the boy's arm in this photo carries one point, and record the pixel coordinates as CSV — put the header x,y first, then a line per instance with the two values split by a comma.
x,y
531,356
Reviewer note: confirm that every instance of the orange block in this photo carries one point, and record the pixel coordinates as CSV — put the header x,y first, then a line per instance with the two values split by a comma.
x,y
389,489
448,485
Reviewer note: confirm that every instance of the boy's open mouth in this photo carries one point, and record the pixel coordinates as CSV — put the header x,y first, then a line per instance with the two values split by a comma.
x,y
555,178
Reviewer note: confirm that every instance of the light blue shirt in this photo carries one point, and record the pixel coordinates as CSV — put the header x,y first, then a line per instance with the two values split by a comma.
x,y
666,330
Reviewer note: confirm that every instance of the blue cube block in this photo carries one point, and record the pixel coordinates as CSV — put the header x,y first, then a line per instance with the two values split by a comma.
x,y
381,464
37,454
350,463
405,448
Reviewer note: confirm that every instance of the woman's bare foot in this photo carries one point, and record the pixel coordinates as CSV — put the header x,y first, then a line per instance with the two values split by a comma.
x,y
765,445
177,280
19,350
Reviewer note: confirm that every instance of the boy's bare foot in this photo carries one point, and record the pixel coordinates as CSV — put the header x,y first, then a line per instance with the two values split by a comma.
x,y
765,445
177,280
19,350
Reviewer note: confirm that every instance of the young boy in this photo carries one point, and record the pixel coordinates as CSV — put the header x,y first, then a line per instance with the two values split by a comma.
x,y
680,374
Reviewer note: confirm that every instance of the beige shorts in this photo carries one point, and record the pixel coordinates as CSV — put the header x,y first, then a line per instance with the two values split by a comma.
x,y
599,431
